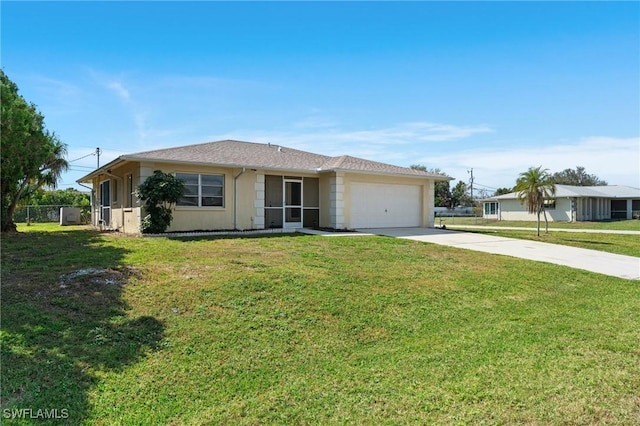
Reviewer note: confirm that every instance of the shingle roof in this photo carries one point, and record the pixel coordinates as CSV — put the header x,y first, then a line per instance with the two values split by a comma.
x,y
349,163
269,156
563,191
235,153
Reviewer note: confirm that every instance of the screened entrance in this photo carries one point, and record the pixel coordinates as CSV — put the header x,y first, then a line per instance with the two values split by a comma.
x,y
291,201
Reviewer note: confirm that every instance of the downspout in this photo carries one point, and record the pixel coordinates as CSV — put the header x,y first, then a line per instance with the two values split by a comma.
x,y
108,173
235,199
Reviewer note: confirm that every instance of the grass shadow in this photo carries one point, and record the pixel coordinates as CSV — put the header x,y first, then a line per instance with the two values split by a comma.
x,y
64,321
598,243
238,236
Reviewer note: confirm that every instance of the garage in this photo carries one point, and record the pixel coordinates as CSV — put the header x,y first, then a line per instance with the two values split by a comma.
x,y
377,205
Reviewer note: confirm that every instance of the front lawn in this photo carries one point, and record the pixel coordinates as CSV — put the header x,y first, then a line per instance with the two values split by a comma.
x,y
309,330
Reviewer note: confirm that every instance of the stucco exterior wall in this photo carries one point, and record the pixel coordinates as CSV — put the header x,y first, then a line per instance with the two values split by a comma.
x,y
337,209
205,218
429,212
567,210
325,199
248,210
513,210
124,213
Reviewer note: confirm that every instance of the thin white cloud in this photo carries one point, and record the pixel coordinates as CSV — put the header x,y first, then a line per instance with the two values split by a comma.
x,y
118,88
616,160
57,97
204,83
376,144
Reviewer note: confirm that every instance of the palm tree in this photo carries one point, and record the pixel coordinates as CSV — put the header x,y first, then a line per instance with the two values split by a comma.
x,y
52,164
534,187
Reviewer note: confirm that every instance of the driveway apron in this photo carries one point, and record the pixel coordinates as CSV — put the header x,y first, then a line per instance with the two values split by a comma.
x,y
615,265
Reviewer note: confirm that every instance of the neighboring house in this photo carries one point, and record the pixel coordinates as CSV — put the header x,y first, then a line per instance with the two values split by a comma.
x,y
571,203
243,185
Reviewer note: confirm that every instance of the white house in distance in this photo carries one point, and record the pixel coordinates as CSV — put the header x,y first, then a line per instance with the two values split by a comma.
x,y
571,204
232,185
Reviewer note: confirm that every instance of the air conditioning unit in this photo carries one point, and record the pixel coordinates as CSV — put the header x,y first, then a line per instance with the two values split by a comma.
x,y
69,216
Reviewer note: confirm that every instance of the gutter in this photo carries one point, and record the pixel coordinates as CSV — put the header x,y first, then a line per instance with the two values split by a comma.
x,y
235,198
99,171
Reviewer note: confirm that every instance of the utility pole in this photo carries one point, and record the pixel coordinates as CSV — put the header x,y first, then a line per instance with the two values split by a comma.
x,y
98,155
471,183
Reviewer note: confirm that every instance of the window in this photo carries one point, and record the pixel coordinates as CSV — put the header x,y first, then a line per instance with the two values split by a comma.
x,y
549,204
619,209
490,208
128,196
202,190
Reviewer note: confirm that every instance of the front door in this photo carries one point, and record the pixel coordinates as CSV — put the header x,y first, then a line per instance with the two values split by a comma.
x,y
292,203
105,203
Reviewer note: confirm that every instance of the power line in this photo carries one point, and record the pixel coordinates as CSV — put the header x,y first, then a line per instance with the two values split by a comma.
x,y
485,186
97,153
79,166
88,155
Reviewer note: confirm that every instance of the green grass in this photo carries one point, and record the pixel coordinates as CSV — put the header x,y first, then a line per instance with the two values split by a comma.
x,y
613,243
618,225
310,330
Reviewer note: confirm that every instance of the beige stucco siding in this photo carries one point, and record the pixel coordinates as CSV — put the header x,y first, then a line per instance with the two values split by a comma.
x,y
123,217
248,210
325,199
204,218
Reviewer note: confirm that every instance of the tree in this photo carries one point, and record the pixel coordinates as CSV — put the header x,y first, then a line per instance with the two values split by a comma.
x,y
459,196
577,177
502,191
160,192
67,197
442,193
534,187
32,157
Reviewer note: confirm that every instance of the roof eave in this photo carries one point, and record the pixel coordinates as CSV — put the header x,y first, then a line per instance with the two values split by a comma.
x,y
97,172
227,165
369,172
126,158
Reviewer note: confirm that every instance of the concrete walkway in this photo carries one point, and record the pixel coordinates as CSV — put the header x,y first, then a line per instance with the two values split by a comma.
x,y
522,228
615,265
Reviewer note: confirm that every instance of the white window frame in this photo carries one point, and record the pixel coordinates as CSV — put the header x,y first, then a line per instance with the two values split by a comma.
x,y
492,211
200,195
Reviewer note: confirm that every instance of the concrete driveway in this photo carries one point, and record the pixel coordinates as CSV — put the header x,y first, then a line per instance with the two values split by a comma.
x,y
615,265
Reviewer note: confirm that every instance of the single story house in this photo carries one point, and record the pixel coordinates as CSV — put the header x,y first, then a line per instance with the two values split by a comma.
x,y
233,185
571,204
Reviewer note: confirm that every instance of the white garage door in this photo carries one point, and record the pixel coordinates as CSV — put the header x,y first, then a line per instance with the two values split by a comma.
x,y
375,205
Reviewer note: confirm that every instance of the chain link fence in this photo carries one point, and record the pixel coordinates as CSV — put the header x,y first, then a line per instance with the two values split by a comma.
x,y
44,214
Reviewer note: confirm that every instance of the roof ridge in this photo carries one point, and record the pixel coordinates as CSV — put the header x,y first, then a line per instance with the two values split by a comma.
x,y
194,144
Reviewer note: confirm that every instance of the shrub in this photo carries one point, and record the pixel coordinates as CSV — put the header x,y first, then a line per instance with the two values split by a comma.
x,y
159,192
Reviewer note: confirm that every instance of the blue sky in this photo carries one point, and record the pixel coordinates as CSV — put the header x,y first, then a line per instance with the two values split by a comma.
x,y
493,86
